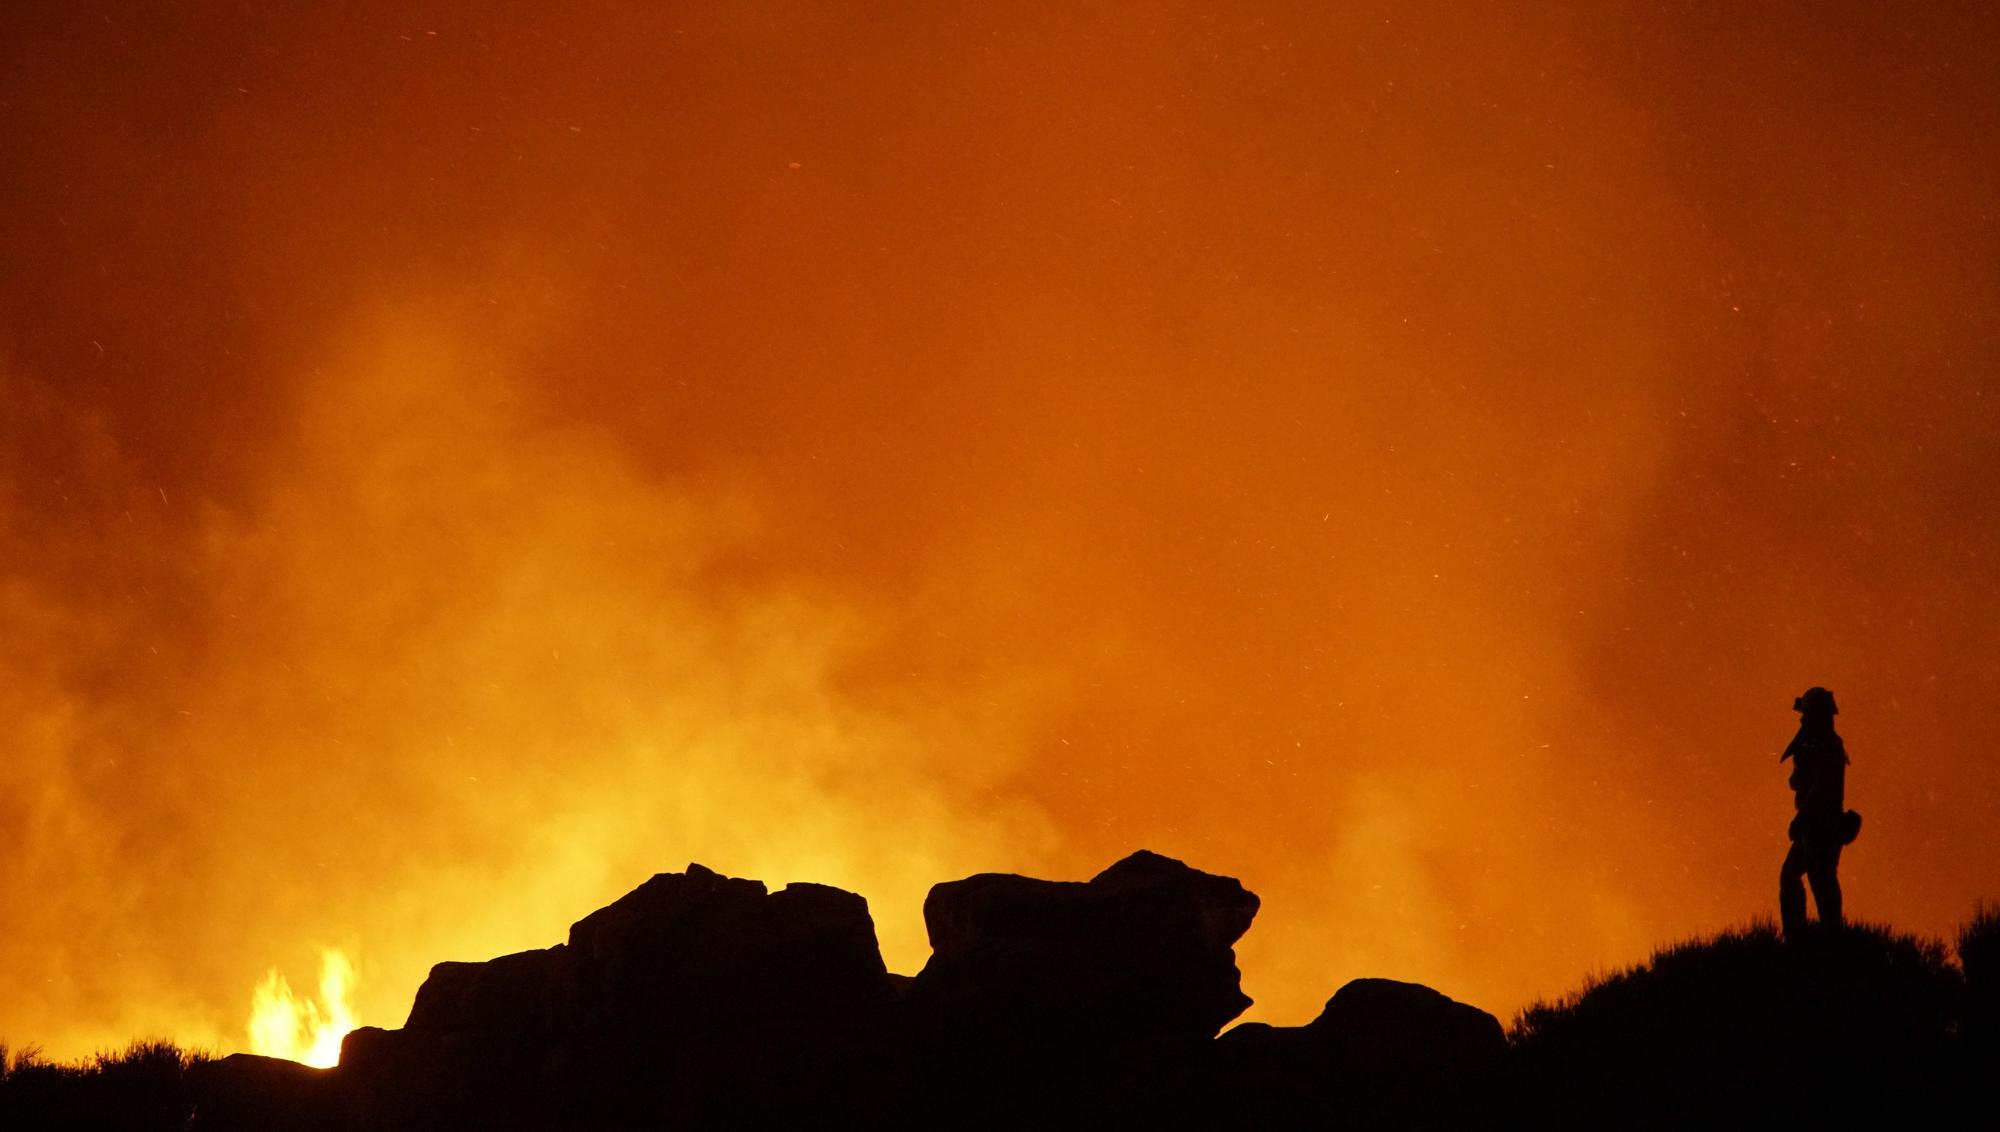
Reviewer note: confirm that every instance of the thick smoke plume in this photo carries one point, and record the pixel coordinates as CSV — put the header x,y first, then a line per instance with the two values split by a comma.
x,y
456,463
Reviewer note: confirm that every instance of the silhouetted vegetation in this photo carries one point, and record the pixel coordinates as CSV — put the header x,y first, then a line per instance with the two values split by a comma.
x,y
1979,958
145,1086
1748,1027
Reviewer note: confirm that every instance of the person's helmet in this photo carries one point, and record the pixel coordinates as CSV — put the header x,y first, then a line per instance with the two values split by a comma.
x,y
1815,701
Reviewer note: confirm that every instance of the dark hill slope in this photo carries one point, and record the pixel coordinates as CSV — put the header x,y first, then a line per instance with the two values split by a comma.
x,y
1747,1028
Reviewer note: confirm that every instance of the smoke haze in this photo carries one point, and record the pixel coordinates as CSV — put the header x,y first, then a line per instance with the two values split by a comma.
x,y
455,464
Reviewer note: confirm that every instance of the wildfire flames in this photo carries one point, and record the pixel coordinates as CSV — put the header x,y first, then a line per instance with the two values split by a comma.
x,y
457,461
287,1025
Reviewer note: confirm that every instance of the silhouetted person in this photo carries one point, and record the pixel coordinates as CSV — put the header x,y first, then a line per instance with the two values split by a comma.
x,y
1823,825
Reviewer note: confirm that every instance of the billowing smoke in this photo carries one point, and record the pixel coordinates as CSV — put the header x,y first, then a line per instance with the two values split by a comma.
x,y
455,464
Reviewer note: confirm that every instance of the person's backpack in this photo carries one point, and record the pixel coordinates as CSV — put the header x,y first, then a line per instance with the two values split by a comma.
x,y
1849,827
1846,827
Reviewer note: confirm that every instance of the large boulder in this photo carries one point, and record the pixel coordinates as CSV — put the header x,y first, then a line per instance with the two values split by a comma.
x,y
673,1003
1419,1059
1382,1054
510,992
1384,1022
694,951
699,990
1051,1001
1141,951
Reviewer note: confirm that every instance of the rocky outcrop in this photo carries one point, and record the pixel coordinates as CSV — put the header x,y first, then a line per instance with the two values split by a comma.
x,y
1060,1002
1141,952
688,952
510,992
700,1000
675,998
1418,1058
1382,1054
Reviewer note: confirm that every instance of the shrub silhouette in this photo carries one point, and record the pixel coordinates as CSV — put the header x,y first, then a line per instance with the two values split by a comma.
x,y
145,1086
1747,1027
1979,957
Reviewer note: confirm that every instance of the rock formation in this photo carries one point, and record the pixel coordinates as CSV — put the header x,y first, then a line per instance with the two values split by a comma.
x,y
1382,1054
1059,1002
678,998
699,1000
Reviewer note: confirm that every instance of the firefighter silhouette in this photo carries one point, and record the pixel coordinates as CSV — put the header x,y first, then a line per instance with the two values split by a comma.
x,y
1823,824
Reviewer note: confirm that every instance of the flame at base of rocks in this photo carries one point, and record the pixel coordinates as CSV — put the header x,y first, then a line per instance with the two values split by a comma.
x,y
302,1028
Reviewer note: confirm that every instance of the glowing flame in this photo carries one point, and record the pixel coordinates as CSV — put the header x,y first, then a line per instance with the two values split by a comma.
x,y
285,1025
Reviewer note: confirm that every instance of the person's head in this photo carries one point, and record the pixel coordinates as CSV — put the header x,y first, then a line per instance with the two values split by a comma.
x,y
1815,705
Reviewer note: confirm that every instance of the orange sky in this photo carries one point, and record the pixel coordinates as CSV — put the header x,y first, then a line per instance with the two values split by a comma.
x,y
455,464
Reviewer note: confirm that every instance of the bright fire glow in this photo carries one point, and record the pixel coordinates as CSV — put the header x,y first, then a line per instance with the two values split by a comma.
x,y
1408,464
304,1029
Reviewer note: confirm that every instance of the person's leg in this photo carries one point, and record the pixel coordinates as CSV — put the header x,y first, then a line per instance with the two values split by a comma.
x,y
1792,891
1825,876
